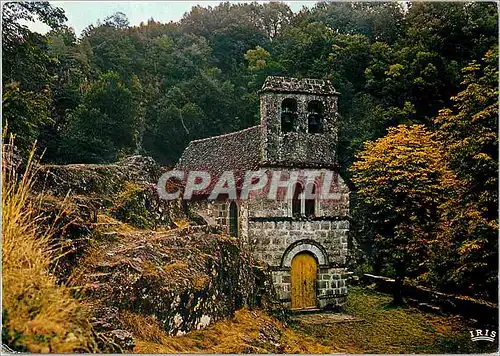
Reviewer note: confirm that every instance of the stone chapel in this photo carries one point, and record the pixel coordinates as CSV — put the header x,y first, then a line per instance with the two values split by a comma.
x,y
302,239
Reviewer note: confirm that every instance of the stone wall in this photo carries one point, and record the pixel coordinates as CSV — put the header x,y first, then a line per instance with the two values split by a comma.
x,y
275,240
260,206
331,290
186,279
274,236
216,213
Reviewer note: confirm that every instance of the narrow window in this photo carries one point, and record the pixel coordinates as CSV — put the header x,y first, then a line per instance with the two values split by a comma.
x,y
315,117
233,219
222,218
288,115
296,200
310,201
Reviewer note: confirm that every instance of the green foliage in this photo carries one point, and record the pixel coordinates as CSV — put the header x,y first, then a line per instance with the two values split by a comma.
x,y
24,57
389,68
26,77
470,129
171,127
431,201
24,112
382,22
304,50
257,58
70,70
104,125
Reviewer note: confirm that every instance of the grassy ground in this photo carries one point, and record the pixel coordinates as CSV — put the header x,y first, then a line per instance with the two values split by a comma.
x,y
386,329
383,329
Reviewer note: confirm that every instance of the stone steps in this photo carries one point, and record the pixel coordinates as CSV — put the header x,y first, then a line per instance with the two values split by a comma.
x,y
306,310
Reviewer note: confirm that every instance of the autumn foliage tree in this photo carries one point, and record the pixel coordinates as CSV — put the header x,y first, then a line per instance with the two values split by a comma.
x,y
402,179
431,199
469,231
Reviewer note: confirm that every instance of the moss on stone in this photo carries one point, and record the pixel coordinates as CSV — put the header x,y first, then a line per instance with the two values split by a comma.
x,y
131,205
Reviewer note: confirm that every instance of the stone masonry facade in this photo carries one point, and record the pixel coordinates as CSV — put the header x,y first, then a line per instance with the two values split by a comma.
x,y
298,131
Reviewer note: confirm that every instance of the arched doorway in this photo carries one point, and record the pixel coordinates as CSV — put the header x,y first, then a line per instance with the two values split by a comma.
x,y
304,271
233,219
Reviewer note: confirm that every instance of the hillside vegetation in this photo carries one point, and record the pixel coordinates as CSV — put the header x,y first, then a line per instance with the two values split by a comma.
x,y
77,266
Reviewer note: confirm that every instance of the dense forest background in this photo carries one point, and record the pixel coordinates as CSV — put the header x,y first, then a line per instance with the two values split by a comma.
x,y
150,89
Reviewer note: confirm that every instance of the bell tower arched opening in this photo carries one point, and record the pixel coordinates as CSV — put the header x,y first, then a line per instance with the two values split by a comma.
x,y
315,117
288,115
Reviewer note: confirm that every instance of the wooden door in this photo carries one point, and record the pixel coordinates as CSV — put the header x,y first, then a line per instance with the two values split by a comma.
x,y
303,281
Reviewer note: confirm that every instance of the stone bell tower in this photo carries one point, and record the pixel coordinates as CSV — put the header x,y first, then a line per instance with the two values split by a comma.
x,y
299,122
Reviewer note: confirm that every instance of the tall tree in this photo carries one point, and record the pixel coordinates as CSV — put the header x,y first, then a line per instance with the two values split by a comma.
x,y
25,69
401,178
378,21
469,131
70,70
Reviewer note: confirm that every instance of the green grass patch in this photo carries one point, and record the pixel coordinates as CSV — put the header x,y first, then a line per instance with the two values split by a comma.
x,y
387,329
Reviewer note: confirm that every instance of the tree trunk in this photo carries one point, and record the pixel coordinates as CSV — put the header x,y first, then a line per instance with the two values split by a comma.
x,y
397,292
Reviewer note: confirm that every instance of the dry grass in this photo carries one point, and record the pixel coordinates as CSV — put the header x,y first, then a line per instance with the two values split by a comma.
x,y
248,332
106,223
143,327
181,224
38,315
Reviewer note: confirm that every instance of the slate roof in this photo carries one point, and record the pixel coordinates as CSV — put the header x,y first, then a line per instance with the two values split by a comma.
x,y
237,151
296,85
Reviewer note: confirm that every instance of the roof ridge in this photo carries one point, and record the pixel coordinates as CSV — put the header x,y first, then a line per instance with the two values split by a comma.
x,y
224,135
300,79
